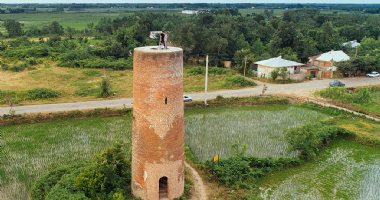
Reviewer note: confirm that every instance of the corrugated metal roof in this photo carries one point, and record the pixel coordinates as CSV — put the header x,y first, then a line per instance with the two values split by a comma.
x,y
278,62
352,44
336,56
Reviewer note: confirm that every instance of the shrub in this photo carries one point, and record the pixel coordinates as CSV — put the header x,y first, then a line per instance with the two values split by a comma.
x,y
199,70
42,93
105,88
107,176
91,72
359,96
4,66
239,81
19,67
311,138
235,171
274,74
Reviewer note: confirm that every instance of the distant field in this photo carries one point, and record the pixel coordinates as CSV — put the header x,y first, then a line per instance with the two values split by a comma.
x,y
74,19
77,20
280,12
277,12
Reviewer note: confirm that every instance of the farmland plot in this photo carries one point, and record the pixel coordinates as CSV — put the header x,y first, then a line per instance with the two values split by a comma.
x,y
346,171
30,150
262,131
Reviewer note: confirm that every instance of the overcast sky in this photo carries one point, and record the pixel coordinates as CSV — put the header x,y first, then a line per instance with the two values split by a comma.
x,y
191,1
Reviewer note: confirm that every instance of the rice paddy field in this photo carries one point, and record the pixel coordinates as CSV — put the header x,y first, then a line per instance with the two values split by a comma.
x,y
346,170
29,150
260,129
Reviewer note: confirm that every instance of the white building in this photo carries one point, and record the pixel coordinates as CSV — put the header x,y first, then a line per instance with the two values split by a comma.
x,y
352,44
189,12
265,67
154,34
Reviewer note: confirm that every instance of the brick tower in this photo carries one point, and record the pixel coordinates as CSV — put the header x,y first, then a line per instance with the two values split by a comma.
x,y
158,123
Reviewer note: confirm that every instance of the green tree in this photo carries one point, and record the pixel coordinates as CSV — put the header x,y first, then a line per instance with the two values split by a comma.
x,y
13,27
55,28
70,32
105,87
328,38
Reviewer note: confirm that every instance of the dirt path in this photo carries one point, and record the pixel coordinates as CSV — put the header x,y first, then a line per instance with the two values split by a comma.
x,y
199,188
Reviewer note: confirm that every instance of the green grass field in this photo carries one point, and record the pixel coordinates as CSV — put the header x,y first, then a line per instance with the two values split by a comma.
x,y
346,170
76,84
373,106
261,129
74,19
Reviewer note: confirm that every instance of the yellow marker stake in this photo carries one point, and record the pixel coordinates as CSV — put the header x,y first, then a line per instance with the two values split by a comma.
x,y
216,157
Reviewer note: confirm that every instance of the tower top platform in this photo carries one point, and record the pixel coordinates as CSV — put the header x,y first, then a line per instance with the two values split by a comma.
x,y
157,49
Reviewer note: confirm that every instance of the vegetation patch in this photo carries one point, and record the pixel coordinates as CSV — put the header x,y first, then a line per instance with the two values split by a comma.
x,y
42,93
261,128
239,81
363,99
345,170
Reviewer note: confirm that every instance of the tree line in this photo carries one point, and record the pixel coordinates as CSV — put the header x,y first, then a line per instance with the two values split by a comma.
x,y
226,34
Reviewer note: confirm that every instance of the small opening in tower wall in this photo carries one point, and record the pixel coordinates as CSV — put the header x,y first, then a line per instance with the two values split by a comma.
x,y
166,100
163,187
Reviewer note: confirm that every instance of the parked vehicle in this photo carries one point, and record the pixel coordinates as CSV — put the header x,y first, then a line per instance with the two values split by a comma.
x,y
373,74
337,83
187,98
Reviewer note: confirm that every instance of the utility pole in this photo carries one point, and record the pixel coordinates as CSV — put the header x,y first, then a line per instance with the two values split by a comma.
x,y
245,64
206,80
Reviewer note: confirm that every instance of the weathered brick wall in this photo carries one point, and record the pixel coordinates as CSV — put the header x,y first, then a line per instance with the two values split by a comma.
x,y
158,122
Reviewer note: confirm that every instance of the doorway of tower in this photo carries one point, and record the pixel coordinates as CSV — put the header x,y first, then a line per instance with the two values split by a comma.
x,y
163,188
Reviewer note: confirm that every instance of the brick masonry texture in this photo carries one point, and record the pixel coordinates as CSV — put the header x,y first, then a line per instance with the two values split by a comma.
x,y
158,122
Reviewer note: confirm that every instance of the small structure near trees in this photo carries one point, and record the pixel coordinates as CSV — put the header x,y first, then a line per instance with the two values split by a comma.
x,y
323,65
275,67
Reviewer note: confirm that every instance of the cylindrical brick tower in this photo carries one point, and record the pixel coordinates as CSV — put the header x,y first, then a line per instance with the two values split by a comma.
x,y
158,123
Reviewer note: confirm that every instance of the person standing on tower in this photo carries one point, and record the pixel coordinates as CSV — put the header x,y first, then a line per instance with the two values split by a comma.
x,y
163,39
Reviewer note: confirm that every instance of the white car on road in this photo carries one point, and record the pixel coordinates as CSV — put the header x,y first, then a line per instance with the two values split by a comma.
x,y
187,98
373,74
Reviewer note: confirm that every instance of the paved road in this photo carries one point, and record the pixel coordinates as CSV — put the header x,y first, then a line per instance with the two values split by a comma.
x,y
299,89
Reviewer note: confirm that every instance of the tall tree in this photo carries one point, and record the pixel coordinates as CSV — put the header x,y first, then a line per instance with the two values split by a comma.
x,y
13,28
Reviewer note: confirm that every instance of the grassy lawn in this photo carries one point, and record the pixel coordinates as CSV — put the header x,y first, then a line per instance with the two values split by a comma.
x,y
346,170
77,84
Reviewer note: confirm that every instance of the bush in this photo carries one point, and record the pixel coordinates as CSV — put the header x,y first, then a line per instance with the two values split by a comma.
x,y
242,171
311,138
91,72
359,96
274,74
211,70
107,176
105,88
239,81
235,171
42,93
19,67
